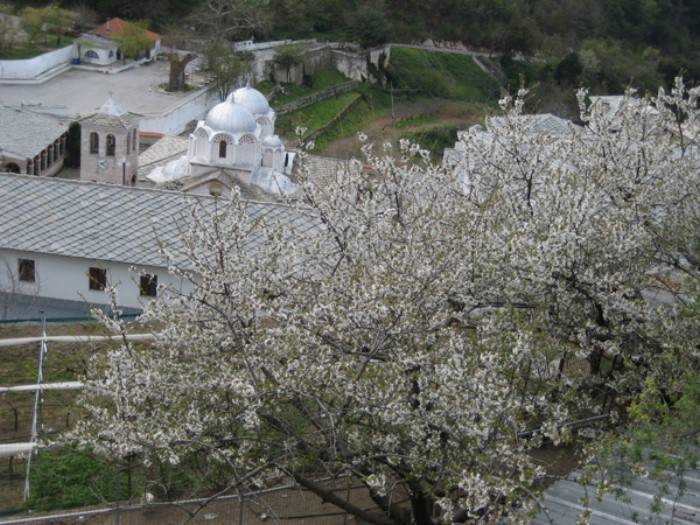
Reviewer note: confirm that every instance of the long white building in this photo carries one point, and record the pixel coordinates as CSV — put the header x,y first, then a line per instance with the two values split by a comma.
x,y
62,241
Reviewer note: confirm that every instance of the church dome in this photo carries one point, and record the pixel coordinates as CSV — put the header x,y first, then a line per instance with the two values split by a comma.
x,y
231,117
252,99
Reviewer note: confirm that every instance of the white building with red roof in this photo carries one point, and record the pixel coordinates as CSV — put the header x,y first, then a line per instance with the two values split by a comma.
x,y
101,46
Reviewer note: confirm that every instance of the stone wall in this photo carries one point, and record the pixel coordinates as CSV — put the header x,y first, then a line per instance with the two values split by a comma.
x,y
317,97
250,45
29,68
355,64
317,59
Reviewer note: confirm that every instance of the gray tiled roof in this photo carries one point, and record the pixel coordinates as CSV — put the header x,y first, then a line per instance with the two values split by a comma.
x,y
161,152
105,222
538,123
25,133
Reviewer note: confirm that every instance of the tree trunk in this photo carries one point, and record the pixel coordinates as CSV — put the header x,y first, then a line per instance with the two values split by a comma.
x,y
421,505
176,81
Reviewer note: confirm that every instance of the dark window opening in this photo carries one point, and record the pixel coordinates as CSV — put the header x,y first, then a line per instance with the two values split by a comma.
x,y
26,271
94,143
111,145
149,285
98,279
222,150
12,168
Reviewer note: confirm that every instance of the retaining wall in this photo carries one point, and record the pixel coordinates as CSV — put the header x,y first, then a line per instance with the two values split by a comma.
x,y
174,120
323,129
317,97
29,68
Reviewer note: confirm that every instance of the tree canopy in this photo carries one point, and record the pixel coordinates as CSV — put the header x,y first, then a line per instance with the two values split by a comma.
x,y
132,39
419,327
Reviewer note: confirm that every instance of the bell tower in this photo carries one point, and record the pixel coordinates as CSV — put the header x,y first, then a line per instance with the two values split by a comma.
x,y
109,145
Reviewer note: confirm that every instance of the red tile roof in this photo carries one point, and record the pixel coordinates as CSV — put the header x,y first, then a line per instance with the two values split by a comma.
x,y
114,26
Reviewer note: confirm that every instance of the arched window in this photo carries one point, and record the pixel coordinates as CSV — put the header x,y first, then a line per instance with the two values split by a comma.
x,y
91,54
94,143
111,145
37,162
55,150
222,149
12,168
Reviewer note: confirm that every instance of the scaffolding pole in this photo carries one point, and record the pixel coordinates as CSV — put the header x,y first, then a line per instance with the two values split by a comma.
x,y
37,403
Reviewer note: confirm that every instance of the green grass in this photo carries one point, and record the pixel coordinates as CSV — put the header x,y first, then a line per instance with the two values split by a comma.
x,y
265,87
434,140
522,74
318,82
315,116
376,104
441,75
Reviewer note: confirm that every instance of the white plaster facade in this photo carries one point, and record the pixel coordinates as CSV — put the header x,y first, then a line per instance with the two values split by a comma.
x,y
67,278
29,68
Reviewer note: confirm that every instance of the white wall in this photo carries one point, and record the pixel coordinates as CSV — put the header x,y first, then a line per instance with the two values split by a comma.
x,y
60,277
102,59
32,67
174,120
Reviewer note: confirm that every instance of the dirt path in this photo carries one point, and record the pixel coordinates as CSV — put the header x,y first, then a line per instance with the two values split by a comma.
x,y
438,113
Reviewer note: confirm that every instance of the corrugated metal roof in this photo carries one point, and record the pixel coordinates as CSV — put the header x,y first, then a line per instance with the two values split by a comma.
x,y
657,499
105,221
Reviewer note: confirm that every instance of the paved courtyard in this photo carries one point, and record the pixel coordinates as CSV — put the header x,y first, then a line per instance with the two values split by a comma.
x,y
77,92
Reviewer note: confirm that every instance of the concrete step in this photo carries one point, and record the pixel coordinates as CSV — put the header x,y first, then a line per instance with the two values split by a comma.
x,y
40,79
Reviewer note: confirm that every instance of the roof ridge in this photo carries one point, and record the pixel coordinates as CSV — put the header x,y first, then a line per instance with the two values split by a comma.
x,y
77,182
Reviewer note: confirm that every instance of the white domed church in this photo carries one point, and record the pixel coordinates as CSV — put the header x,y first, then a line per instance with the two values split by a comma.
x,y
234,145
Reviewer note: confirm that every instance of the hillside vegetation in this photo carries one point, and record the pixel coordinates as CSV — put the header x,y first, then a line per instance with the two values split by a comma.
x,y
603,43
434,95
441,75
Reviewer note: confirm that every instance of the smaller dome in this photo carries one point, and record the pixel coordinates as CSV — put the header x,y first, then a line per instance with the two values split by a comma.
x,y
230,117
273,141
251,99
111,107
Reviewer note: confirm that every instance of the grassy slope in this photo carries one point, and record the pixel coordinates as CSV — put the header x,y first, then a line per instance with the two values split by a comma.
x,y
427,75
441,75
320,81
316,115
